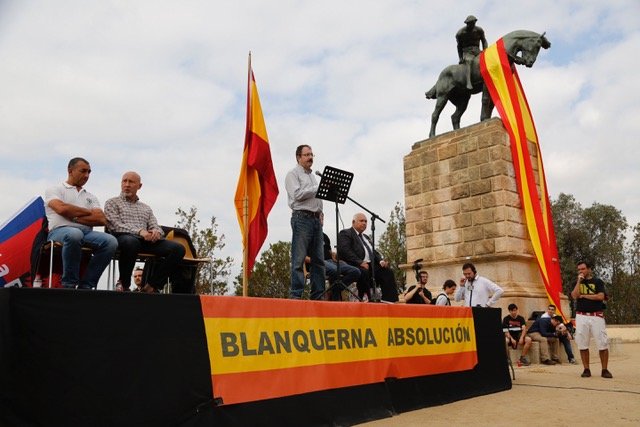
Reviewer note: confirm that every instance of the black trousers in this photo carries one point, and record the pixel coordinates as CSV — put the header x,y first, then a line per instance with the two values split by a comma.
x,y
384,279
131,245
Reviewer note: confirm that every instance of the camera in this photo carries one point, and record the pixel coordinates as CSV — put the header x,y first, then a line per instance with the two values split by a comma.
x,y
417,266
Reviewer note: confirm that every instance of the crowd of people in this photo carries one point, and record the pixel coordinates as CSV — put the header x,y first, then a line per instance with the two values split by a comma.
x,y
361,264
132,228
549,329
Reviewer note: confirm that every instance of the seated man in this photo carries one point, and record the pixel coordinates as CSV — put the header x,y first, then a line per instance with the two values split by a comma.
x,y
418,293
348,272
544,332
355,249
515,333
565,339
72,212
136,228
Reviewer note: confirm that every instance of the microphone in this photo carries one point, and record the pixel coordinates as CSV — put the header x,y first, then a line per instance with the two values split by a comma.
x,y
319,173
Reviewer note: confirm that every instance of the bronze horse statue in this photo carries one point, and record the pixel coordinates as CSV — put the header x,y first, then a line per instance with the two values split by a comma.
x,y
522,48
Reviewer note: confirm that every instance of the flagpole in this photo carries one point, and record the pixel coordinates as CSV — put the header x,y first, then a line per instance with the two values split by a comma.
x,y
245,251
245,201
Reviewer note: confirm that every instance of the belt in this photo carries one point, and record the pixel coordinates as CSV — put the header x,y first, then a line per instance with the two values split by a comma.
x,y
591,313
308,213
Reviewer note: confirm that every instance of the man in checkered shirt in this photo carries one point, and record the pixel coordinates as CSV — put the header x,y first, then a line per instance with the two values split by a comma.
x,y
136,228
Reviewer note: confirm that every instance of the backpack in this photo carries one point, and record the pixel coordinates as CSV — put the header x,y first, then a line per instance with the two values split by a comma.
x,y
433,301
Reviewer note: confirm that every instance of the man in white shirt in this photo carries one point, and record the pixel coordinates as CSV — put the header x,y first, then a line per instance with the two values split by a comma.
x,y
306,226
475,290
72,212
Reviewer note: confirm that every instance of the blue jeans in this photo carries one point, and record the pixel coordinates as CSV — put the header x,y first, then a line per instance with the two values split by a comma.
x,y
348,272
567,346
72,238
307,240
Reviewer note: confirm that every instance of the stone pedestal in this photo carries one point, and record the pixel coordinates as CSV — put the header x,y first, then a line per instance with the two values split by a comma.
x,y
462,205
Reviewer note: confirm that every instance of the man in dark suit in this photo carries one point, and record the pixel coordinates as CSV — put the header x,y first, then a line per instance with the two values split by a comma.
x,y
355,248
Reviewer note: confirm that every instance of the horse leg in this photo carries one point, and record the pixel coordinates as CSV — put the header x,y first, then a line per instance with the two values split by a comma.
x,y
461,107
440,104
487,105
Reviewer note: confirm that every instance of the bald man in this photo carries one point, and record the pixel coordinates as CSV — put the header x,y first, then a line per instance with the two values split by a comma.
x,y
355,248
136,228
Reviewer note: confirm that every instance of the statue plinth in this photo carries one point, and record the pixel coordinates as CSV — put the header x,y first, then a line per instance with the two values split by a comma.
x,y
462,205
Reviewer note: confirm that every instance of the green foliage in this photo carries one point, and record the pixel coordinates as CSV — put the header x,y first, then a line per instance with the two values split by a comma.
x,y
597,234
393,244
271,277
212,277
634,252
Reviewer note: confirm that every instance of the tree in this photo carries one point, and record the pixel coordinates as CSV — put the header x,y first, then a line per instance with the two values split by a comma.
x,y
605,226
271,276
597,234
393,243
571,237
634,251
211,277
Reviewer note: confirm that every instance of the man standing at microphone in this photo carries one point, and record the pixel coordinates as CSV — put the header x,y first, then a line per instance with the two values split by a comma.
x,y
306,225
589,294
477,291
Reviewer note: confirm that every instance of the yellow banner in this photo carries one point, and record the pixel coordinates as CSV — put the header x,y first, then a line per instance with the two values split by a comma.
x,y
245,345
263,348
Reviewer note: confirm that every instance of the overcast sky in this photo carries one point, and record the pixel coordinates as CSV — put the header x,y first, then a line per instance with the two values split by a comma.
x,y
159,87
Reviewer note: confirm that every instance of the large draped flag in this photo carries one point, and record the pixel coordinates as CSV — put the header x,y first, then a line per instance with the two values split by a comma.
x,y
257,187
508,96
17,235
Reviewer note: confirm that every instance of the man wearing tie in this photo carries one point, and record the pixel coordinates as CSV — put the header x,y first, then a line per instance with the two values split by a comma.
x,y
355,248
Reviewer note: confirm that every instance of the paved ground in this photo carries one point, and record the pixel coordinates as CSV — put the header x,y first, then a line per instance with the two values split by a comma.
x,y
547,395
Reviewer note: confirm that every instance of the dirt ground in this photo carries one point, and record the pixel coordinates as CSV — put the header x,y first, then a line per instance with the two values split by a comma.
x,y
549,395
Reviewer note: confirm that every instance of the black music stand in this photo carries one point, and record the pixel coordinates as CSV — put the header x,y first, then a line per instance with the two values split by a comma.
x,y
334,187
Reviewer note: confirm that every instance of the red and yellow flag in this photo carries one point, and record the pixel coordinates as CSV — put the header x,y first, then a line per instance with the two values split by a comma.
x,y
257,188
508,96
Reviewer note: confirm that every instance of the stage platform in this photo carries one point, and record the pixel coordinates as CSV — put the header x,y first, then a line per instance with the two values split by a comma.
x,y
78,358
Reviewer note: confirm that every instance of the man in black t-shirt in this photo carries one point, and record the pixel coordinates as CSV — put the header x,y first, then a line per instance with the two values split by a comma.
x,y
589,294
418,293
515,333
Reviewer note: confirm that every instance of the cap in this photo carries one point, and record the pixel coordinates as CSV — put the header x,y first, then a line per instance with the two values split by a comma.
x,y
470,18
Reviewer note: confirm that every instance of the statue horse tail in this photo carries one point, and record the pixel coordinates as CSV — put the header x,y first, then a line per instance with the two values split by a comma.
x,y
432,93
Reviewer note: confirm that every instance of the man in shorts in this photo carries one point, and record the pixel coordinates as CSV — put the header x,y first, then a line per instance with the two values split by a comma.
x,y
589,294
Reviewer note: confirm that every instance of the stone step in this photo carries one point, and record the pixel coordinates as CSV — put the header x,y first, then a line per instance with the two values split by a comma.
x,y
534,351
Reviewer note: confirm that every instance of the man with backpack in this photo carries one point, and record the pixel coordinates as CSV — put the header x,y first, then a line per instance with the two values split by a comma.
x,y
443,298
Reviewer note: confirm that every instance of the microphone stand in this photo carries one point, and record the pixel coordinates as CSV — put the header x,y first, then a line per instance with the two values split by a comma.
x,y
376,294
334,186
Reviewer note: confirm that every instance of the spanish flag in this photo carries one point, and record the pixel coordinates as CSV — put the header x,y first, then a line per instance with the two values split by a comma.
x,y
508,96
257,188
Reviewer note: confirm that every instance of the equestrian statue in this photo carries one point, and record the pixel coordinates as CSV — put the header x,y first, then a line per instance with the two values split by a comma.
x,y
457,83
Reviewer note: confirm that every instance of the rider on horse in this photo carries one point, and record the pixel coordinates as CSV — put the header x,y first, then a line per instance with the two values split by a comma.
x,y
469,38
